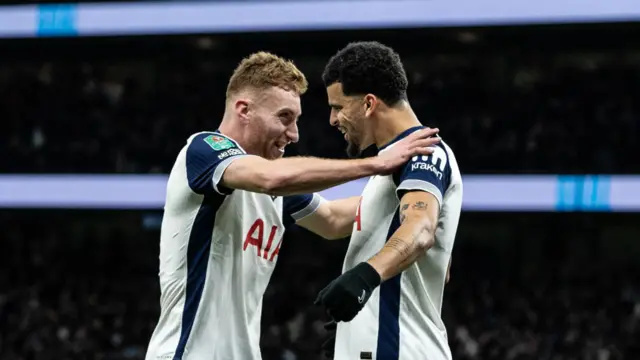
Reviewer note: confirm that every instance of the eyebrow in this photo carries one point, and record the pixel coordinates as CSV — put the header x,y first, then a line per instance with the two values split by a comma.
x,y
287,110
335,106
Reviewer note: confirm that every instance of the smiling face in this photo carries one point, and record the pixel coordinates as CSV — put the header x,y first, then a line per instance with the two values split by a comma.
x,y
363,79
272,116
264,92
349,115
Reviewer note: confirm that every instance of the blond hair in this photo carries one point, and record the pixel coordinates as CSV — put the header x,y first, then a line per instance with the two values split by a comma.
x,y
262,70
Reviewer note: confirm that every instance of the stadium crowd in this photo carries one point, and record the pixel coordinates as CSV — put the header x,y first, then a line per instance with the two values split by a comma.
x,y
84,286
534,115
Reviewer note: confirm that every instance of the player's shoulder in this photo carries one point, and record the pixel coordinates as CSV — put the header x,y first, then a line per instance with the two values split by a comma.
x,y
213,141
434,168
441,155
446,161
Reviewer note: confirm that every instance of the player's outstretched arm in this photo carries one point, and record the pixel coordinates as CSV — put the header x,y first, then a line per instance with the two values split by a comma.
x,y
299,175
419,212
333,219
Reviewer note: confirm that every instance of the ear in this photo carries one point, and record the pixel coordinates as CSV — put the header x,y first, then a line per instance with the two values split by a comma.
x,y
241,107
371,103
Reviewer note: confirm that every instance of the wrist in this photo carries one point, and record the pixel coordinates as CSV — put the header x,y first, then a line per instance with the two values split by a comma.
x,y
380,267
369,274
372,165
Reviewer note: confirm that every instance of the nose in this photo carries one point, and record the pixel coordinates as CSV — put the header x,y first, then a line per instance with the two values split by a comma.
x,y
292,133
333,118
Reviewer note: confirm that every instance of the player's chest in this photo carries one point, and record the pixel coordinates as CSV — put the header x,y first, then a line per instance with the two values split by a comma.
x,y
261,228
378,204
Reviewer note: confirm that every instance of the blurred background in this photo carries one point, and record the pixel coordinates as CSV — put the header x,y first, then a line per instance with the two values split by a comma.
x,y
540,102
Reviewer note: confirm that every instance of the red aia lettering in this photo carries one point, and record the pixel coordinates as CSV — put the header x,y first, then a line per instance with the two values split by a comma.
x,y
255,236
258,226
358,220
271,236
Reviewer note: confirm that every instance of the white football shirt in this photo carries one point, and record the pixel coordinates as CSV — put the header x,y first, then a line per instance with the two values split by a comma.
x,y
218,249
402,319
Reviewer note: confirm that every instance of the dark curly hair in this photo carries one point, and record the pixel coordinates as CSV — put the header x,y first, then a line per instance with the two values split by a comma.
x,y
368,67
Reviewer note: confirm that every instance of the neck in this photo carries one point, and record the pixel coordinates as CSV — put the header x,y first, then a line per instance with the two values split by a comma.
x,y
391,122
232,128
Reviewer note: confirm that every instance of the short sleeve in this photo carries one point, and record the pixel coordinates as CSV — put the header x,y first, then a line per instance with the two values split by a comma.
x,y
207,157
296,207
425,173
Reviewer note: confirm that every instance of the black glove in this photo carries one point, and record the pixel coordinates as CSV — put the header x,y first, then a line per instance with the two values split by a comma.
x,y
345,296
328,347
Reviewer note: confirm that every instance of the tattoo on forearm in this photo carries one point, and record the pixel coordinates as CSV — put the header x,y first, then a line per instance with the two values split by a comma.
x,y
419,205
402,214
404,249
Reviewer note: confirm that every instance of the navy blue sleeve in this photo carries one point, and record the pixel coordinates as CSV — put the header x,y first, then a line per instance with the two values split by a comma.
x,y
207,157
425,173
296,207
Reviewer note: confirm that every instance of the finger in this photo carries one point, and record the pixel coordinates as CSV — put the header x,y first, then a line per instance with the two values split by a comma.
x,y
426,132
430,141
432,131
422,151
425,142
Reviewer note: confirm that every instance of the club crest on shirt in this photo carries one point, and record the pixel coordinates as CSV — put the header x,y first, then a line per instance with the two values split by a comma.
x,y
218,142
